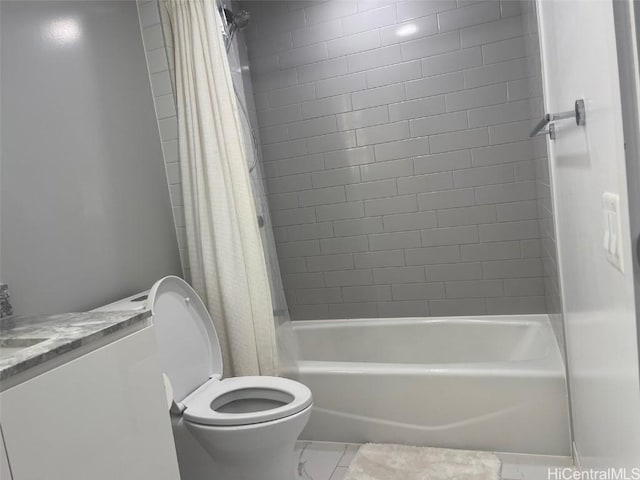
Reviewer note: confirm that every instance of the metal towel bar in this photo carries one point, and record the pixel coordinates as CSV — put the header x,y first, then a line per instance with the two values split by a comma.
x,y
578,113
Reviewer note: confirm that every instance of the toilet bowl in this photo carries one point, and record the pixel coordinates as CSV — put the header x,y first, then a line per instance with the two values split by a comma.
x,y
241,428
249,425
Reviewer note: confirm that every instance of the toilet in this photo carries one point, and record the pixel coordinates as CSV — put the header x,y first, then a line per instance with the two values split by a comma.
x,y
241,428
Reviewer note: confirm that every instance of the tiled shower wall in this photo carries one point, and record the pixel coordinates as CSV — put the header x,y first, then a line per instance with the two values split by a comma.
x,y
159,55
395,141
543,179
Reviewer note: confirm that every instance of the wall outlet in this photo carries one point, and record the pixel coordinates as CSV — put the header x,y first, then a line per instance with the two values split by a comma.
x,y
611,238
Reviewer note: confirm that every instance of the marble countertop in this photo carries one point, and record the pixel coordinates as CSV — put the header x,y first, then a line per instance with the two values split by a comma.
x,y
26,342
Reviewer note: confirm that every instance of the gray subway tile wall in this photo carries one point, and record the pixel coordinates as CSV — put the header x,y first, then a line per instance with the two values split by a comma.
x,y
395,143
159,55
546,247
463,79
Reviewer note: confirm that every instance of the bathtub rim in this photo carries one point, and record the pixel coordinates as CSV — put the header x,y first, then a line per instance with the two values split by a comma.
x,y
540,318
549,366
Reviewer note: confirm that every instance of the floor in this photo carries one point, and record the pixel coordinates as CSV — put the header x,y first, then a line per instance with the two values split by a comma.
x,y
329,461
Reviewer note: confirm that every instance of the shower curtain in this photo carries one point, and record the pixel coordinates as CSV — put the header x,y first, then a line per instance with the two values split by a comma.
x,y
228,266
238,57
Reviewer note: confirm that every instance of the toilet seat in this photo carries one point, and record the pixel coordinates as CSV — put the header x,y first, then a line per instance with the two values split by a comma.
x,y
286,397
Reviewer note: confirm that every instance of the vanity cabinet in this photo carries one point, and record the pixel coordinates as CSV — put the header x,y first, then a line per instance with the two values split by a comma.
x,y
5,472
101,416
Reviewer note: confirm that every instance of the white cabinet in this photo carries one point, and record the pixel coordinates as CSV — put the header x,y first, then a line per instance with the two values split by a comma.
x,y
5,471
102,416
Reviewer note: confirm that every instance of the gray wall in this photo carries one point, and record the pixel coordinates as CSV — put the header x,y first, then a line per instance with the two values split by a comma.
x,y
395,140
86,217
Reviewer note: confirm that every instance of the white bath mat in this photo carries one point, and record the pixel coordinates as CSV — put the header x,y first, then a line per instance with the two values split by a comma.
x,y
400,462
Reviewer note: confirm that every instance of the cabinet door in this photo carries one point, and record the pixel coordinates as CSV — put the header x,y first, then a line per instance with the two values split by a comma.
x,y
5,471
102,416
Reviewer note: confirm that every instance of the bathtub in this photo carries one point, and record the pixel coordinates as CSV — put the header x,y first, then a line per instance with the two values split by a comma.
x,y
482,383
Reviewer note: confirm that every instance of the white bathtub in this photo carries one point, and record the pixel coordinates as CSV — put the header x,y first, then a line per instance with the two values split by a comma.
x,y
485,383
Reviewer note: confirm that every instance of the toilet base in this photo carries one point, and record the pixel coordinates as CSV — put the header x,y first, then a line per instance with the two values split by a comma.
x,y
264,451
275,465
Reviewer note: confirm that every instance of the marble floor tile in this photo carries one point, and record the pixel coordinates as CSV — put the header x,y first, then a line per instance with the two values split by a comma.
x,y
545,460
530,467
318,460
339,473
534,472
349,453
510,472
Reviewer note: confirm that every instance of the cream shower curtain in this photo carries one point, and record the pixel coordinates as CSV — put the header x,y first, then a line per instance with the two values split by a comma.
x,y
228,267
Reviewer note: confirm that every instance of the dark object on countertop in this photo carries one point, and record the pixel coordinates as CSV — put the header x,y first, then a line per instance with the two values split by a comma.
x,y
6,310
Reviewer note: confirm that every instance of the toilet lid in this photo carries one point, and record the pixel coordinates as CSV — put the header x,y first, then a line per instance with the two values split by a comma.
x,y
187,340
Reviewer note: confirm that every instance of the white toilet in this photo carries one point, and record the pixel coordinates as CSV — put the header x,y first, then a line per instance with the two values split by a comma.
x,y
242,428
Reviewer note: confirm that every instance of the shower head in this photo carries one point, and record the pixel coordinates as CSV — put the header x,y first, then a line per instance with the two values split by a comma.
x,y
235,22
241,19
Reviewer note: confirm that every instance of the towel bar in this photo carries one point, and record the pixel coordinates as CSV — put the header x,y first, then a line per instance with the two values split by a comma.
x,y
578,113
